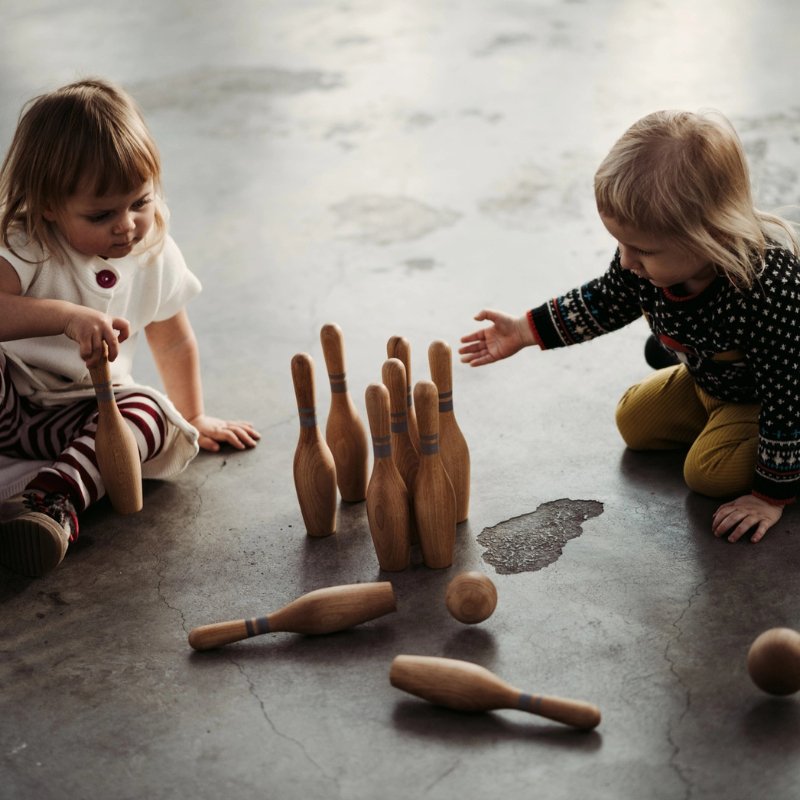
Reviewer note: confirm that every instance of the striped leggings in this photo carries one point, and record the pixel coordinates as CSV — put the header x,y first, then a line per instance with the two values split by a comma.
x,y
65,434
668,410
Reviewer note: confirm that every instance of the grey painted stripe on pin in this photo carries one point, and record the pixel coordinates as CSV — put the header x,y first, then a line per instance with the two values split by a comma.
x,y
382,450
338,383
399,427
529,702
429,445
256,626
104,394
445,405
308,418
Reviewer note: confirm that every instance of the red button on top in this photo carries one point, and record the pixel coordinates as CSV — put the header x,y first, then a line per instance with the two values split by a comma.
x,y
106,278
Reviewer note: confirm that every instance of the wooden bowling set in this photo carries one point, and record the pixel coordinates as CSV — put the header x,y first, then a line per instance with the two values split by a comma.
x,y
418,490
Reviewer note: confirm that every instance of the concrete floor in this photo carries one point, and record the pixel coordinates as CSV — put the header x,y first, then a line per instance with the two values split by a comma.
x,y
394,167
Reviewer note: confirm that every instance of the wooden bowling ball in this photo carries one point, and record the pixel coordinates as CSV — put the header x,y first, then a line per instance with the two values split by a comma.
x,y
471,597
774,661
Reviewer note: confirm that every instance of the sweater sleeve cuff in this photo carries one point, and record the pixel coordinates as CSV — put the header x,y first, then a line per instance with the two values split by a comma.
x,y
537,338
773,501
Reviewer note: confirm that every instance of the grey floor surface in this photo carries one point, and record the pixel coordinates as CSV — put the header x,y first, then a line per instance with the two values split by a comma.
x,y
394,167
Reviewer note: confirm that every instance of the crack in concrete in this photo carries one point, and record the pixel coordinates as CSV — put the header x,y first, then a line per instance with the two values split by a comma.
x,y
264,713
159,563
671,735
436,781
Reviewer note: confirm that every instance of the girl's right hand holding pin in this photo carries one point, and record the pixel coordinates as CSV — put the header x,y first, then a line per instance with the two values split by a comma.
x,y
90,328
506,336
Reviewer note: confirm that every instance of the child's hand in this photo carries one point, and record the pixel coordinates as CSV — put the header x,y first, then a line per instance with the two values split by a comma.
x,y
214,432
743,514
90,328
507,336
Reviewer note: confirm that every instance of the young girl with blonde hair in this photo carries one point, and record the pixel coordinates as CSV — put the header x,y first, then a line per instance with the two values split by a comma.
x,y
86,260
718,281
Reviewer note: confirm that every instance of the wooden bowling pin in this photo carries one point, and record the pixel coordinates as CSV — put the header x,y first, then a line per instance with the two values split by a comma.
x,y
314,468
452,444
388,507
434,498
465,686
321,611
404,453
773,661
115,445
344,431
399,347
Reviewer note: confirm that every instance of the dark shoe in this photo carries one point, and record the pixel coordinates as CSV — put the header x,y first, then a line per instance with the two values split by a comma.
x,y
35,531
657,356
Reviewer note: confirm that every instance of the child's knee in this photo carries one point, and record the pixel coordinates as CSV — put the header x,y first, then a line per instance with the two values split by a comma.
x,y
710,478
629,424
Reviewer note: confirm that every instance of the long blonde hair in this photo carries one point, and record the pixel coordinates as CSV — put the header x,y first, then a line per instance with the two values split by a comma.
x,y
685,175
89,133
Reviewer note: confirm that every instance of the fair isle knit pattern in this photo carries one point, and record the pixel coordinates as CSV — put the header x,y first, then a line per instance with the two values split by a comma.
x,y
739,345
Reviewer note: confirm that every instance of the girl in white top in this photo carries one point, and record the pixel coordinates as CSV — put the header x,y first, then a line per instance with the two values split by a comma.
x,y
85,259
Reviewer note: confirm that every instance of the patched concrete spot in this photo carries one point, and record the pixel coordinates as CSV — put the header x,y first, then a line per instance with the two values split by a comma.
x,y
533,541
380,219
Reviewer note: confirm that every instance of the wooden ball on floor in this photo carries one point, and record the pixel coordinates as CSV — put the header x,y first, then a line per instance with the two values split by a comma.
x,y
471,597
774,661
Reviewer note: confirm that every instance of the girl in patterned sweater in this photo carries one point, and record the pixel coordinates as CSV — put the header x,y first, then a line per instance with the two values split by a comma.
x,y
718,281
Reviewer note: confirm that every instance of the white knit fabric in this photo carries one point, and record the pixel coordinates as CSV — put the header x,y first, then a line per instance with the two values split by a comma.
x,y
148,287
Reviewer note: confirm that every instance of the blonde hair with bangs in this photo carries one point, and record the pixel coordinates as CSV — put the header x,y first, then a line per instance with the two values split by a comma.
x,y
685,175
89,135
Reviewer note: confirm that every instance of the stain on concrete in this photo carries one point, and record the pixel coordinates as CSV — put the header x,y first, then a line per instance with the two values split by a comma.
x,y
533,541
420,264
202,88
517,204
506,40
380,219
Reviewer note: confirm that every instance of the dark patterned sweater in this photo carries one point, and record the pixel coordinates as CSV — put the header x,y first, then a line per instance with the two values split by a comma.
x,y
740,346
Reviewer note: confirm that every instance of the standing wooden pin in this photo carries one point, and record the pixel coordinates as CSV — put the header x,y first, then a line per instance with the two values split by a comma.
x,y
465,686
404,453
434,498
453,445
388,507
344,432
314,469
115,445
399,347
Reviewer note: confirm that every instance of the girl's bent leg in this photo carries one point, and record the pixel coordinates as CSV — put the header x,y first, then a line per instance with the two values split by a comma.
x,y
75,469
37,525
722,460
663,412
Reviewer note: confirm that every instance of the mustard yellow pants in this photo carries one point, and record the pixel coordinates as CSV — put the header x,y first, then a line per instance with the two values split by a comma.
x,y
668,410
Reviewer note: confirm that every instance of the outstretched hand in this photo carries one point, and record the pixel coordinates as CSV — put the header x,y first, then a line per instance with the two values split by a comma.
x,y
216,432
507,335
743,514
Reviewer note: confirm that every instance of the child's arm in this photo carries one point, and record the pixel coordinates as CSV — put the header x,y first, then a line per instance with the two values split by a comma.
x,y
741,515
29,317
506,336
177,358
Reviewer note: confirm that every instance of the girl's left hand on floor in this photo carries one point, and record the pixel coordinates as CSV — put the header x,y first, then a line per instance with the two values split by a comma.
x,y
743,514
215,432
